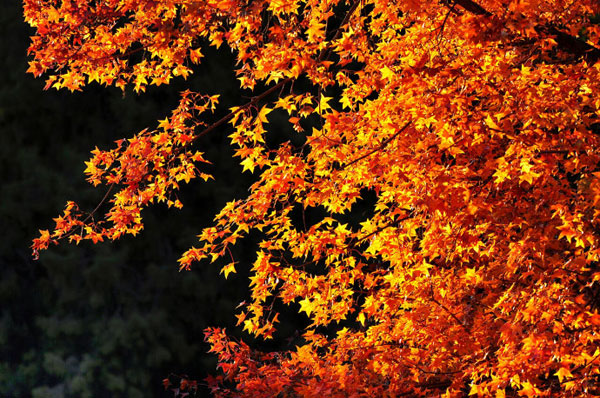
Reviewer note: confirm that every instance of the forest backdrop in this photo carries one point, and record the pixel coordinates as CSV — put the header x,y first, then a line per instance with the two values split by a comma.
x,y
107,320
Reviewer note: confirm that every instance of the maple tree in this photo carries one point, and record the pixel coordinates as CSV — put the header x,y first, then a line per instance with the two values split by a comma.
x,y
474,127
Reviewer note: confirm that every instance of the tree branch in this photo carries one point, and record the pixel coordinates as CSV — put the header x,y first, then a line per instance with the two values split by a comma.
x,y
566,42
380,147
282,83
254,100
473,7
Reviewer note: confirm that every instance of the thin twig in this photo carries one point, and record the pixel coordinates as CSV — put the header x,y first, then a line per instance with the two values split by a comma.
x,y
254,100
108,191
448,311
325,54
380,147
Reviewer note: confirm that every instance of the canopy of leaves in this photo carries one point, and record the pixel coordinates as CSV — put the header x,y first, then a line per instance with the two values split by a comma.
x,y
434,218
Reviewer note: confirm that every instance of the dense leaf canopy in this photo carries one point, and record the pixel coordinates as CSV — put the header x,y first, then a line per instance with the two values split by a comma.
x,y
435,215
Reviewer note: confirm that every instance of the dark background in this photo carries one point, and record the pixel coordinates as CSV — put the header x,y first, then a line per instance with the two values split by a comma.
x,y
112,319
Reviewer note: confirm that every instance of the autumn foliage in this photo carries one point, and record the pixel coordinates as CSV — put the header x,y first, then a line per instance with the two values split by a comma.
x,y
466,132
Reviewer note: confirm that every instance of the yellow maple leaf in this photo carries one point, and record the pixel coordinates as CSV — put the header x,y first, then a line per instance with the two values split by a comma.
x,y
387,73
323,103
229,268
361,318
307,306
248,164
529,389
563,373
262,115
491,123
